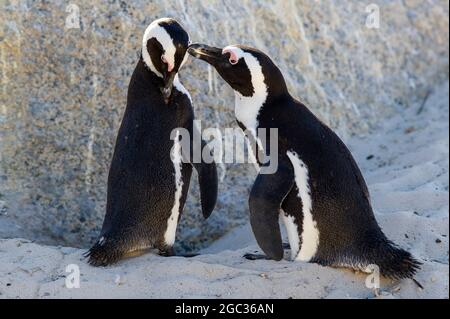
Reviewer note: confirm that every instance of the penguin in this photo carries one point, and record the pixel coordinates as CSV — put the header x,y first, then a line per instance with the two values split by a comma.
x,y
149,174
317,189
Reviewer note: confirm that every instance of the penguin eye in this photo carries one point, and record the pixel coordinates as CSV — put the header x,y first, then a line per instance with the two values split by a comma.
x,y
233,61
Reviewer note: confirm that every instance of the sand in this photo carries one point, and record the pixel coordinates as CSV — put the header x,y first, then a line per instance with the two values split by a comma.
x,y
405,163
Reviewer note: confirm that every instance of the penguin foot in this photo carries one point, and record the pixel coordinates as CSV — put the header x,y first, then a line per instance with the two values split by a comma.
x,y
256,257
189,255
170,252
264,257
167,252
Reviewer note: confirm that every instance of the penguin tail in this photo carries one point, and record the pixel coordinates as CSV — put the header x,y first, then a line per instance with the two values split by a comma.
x,y
104,252
393,262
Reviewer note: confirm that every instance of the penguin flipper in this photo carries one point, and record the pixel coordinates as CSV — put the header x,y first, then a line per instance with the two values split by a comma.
x,y
208,180
266,196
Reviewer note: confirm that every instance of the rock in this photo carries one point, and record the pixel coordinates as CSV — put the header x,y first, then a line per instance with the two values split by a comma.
x,y
65,71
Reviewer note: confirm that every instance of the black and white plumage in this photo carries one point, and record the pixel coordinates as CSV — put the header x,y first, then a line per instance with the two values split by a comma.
x,y
318,189
148,180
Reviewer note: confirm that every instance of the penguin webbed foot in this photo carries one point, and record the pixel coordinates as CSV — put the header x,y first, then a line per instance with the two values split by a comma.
x,y
188,255
166,252
170,252
250,256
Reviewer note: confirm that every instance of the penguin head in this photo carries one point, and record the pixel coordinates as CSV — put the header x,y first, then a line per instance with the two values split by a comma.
x,y
250,72
164,48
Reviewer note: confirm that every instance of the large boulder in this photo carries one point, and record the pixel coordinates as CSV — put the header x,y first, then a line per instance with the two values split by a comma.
x,y
65,71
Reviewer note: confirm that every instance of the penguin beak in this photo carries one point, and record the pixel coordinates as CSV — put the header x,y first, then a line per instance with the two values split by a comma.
x,y
206,53
168,85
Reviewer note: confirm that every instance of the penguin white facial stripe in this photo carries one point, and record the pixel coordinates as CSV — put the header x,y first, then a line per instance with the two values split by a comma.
x,y
310,234
247,108
172,222
154,30
292,232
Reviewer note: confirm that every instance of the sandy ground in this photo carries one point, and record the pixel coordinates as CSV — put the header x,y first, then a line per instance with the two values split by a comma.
x,y
405,163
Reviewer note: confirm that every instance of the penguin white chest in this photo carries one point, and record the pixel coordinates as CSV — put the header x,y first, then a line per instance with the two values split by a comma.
x,y
310,233
172,221
176,157
247,108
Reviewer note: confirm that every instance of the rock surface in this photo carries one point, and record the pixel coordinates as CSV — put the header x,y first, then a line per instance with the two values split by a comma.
x,y
406,165
65,71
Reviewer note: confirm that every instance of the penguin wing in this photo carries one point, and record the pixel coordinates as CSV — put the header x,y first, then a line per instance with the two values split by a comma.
x,y
266,197
207,178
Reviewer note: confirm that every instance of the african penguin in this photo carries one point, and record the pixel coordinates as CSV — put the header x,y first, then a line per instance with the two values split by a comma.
x,y
317,189
148,179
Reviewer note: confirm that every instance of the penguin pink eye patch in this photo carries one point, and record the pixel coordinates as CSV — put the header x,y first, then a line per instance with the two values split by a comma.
x,y
169,65
233,57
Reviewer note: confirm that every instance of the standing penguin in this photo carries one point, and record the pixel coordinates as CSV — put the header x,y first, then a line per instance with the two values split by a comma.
x,y
317,189
149,177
